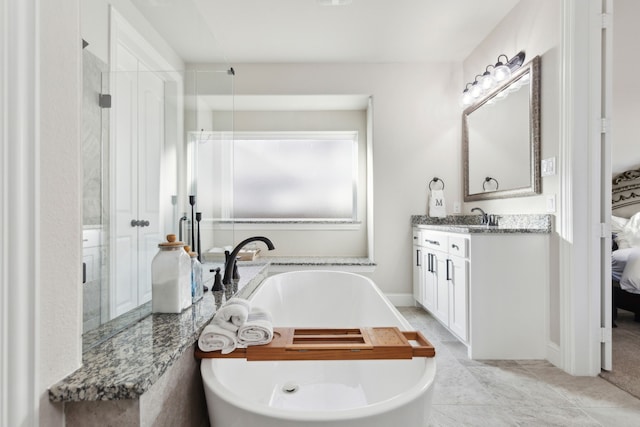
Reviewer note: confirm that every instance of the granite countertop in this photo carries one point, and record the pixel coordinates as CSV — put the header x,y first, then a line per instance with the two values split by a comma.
x,y
320,261
127,364
507,224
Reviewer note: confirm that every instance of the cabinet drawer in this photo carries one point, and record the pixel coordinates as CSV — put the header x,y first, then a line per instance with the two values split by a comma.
x,y
435,241
91,238
458,246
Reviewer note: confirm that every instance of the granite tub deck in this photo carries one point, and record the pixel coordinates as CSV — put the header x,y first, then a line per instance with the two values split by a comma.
x,y
127,364
122,363
534,224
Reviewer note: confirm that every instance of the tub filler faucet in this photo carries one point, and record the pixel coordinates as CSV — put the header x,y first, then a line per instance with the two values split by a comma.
x,y
230,258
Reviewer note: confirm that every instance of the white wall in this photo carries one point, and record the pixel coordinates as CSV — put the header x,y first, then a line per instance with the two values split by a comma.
x,y
532,26
625,152
416,136
60,252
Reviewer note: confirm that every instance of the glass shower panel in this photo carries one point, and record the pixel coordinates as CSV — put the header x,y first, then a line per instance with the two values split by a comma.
x,y
210,141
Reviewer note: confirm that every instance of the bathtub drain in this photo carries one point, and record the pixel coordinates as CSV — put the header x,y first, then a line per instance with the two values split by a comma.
x,y
290,387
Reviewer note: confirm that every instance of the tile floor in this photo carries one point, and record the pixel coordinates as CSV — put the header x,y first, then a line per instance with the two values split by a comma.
x,y
515,393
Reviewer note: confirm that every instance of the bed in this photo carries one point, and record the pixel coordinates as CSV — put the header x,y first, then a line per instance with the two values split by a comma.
x,y
625,256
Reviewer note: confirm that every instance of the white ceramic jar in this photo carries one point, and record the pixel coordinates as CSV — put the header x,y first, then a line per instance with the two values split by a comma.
x,y
171,277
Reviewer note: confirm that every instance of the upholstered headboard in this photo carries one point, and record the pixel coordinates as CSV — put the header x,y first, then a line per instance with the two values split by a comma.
x,y
625,193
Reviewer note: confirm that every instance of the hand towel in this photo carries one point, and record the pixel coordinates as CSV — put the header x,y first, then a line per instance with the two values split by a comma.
x,y
436,204
213,338
257,330
233,314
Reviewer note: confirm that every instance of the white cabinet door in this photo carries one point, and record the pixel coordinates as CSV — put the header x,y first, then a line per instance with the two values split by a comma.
x,y
429,280
441,309
458,304
150,147
124,178
417,274
137,129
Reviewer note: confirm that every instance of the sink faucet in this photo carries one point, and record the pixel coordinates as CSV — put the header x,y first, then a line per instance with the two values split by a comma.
x,y
484,218
230,261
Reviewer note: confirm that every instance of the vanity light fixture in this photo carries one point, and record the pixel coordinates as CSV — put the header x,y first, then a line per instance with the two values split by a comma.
x,y
484,83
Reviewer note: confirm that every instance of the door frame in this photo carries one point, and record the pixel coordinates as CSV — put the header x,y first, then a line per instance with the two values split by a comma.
x,y
580,226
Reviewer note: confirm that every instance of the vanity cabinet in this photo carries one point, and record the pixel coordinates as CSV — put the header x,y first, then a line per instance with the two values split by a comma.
x,y
443,276
489,289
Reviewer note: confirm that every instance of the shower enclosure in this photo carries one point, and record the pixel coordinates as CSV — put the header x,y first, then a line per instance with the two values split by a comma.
x,y
137,128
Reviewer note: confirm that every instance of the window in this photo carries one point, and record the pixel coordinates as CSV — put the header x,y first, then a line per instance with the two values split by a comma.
x,y
295,176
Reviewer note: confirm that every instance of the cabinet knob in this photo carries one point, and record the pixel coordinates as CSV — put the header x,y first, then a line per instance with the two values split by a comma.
x,y
135,223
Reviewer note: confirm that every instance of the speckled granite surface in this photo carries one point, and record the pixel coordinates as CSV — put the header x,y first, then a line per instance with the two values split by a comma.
x,y
321,261
471,224
127,364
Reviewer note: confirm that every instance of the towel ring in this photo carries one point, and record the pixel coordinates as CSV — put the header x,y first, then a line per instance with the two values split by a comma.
x,y
489,179
436,179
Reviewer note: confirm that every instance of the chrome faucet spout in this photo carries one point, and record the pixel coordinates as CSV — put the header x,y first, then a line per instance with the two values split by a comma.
x,y
230,260
484,218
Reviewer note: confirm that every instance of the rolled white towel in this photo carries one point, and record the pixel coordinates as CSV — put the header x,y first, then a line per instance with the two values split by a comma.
x,y
257,330
233,314
213,338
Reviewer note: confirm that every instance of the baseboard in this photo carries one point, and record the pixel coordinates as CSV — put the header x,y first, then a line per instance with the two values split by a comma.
x,y
553,354
401,300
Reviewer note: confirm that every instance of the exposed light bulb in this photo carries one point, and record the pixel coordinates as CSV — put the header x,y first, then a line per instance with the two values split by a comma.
x,y
467,99
487,81
476,90
501,72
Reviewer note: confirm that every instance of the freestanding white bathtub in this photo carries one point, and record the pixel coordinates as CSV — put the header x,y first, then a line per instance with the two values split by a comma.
x,y
345,393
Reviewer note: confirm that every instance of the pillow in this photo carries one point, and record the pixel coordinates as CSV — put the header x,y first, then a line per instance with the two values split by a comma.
x,y
620,259
618,223
630,280
630,234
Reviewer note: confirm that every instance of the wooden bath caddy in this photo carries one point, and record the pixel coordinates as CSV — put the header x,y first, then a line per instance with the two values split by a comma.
x,y
333,344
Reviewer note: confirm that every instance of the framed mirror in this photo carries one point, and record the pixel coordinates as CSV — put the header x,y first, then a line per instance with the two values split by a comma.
x,y
501,139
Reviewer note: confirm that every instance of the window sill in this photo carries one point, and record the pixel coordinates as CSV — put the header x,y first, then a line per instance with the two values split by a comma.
x,y
299,224
350,264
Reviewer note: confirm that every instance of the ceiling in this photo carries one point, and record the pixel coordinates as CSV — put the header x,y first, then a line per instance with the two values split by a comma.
x,y
302,31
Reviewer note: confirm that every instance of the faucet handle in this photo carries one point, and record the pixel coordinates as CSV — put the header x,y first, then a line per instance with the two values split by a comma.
x,y
493,220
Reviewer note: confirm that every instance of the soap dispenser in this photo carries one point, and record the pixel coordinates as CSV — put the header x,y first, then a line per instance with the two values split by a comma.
x,y
197,289
171,277
217,289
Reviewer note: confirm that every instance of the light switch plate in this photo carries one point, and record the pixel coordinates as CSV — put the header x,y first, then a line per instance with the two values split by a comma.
x,y
548,166
551,203
456,207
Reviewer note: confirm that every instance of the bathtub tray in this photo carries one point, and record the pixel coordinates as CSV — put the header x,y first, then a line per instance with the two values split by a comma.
x,y
334,344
